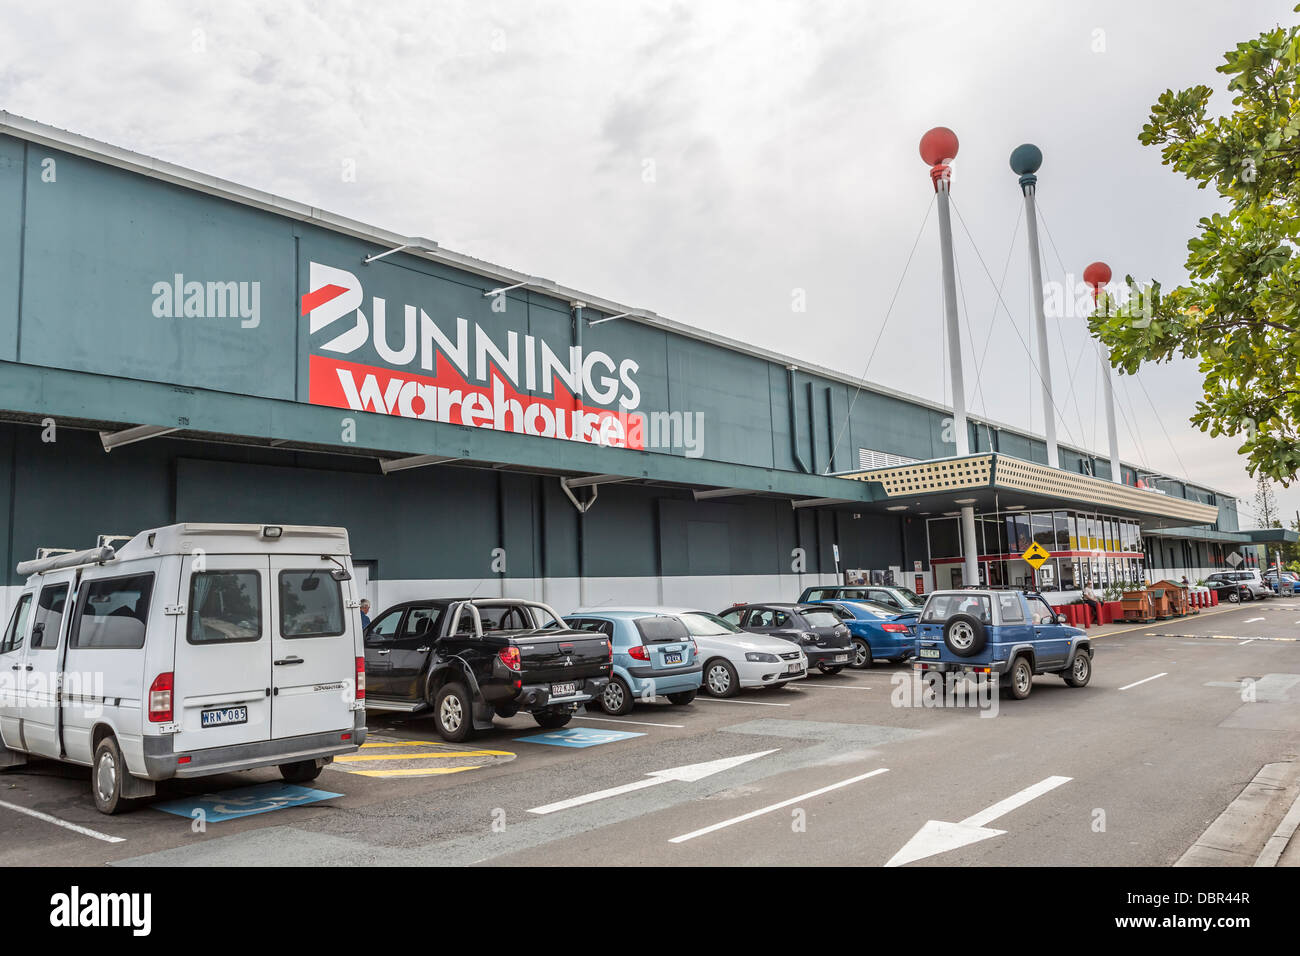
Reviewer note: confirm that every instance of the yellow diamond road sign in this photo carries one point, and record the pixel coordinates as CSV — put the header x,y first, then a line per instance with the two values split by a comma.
x,y
1036,555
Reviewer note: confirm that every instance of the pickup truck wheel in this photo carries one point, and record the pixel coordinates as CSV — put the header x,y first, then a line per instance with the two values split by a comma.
x,y
861,654
616,698
453,713
682,697
720,678
301,771
106,778
964,635
552,720
1080,671
1020,679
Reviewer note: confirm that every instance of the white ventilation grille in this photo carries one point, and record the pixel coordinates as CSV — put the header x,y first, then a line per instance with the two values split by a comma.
x,y
869,458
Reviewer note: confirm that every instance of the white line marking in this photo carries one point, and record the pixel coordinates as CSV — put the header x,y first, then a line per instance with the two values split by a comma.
x,y
1144,680
833,687
687,774
639,723
1003,807
727,700
1252,620
776,806
85,831
1251,641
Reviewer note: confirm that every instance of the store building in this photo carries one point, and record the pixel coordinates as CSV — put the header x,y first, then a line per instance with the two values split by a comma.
x,y
179,348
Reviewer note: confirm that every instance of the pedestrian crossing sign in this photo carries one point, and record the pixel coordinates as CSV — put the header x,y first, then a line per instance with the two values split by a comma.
x,y
1036,554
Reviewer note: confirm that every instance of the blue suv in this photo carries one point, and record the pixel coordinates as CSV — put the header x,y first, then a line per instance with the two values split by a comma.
x,y
1014,634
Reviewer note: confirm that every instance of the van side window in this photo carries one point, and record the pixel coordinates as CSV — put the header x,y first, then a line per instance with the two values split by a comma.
x,y
49,615
17,629
113,612
224,606
311,604
1009,607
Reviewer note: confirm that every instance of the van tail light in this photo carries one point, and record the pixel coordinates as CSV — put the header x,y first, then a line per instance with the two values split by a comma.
x,y
638,652
361,678
894,628
695,650
160,699
511,658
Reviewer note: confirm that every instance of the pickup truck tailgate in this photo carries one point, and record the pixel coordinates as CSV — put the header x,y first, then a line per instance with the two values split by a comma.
x,y
553,658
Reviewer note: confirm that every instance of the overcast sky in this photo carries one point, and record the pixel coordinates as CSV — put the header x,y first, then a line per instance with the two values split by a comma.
x,y
703,160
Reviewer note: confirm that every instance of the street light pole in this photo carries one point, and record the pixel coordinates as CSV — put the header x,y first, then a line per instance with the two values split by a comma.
x,y
1025,161
1097,275
938,149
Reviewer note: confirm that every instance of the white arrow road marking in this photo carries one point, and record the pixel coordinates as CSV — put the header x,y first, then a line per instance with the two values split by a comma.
x,y
776,806
940,837
86,831
687,774
1145,679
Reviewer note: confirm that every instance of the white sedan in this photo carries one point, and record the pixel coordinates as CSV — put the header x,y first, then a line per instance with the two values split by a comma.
x,y
734,658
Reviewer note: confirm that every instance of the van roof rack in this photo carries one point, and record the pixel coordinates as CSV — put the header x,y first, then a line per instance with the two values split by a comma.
x,y
65,559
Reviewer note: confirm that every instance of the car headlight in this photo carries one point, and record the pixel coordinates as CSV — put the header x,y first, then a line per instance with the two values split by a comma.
x,y
808,638
756,658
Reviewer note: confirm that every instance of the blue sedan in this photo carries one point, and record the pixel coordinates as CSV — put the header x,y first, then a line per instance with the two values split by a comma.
x,y
877,631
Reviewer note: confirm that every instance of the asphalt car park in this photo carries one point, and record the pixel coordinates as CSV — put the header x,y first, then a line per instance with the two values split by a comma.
x,y
835,769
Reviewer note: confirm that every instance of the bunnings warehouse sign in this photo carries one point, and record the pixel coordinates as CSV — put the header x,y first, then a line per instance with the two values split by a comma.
x,y
374,353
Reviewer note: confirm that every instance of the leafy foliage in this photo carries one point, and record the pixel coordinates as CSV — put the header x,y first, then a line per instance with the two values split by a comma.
x,y
1237,316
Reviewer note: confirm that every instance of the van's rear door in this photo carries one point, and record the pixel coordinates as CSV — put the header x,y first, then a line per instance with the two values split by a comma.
x,y
313,666
222,675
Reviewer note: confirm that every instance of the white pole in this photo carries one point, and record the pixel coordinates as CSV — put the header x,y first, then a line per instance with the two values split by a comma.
x,y
1116,469
961,437
1040,324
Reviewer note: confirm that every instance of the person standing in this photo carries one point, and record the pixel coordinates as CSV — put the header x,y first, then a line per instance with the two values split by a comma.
x,y
1091,599
365,614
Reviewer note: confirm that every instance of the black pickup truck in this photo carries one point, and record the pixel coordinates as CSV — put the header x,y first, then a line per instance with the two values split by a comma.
x,y
469,660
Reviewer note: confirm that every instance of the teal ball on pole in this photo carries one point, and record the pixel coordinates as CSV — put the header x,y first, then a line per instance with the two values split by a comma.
x,y
1025,159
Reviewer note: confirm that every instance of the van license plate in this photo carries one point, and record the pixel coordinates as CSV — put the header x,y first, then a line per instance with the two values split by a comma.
x,y
673,658
929,652
219,716
564,690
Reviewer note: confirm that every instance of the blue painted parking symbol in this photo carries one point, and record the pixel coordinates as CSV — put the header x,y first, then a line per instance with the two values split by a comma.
x,y
578,737
244,801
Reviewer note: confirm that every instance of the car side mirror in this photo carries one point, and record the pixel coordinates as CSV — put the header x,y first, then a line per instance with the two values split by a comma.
x,y
1060,619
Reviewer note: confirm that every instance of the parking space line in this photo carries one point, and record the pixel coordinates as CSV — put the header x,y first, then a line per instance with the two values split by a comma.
x,y
1145,679
835,687
776,806
728,700
366,758
638,723
1249,641
84,831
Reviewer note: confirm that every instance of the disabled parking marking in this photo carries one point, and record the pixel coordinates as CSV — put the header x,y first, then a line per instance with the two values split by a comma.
x,y
416,758
245,801
578,737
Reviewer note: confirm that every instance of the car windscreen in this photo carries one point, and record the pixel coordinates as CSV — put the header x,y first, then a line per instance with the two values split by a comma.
x,y
661,630
703,624
943,606
820,618
912,597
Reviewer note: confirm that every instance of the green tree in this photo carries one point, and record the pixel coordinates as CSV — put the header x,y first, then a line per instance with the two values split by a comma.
x,y
1237,314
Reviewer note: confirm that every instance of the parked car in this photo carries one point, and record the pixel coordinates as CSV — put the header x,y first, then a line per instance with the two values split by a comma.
x,y
144,664
1230,592
469,660
814,628
734,659
653,654
898,598
1289,580
1014,634
877,631
1250,579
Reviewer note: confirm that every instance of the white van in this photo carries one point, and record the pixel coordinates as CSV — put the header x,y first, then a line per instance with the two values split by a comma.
x,y
193,650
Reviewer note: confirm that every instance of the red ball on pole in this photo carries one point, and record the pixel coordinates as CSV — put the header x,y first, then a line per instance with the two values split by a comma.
x,y
1096,275
939,146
